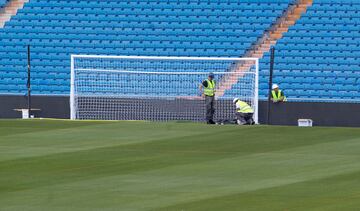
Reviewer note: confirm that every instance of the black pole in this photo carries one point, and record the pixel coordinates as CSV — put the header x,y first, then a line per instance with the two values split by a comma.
x,y
28,81
272,58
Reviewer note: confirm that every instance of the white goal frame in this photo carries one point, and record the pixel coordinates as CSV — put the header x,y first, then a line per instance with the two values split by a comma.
x,y
76,56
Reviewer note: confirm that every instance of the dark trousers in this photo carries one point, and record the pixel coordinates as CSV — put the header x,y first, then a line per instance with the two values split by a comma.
x,y
244,118
210,107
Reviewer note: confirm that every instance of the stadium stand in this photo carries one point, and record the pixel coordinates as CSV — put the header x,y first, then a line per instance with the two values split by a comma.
x,y
319,57
318,47
55,29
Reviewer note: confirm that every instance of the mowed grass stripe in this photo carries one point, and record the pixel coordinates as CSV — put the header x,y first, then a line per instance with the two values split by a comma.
x,y
135,166
90,136
17,126
141,156
259,171
340,192
189,182
82,164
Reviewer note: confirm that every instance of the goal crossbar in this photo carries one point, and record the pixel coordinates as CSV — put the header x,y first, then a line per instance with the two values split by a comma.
x,y
165,57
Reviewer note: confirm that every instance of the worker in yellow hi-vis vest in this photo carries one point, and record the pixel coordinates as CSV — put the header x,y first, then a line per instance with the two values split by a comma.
x,y
277,95
207,89
244,112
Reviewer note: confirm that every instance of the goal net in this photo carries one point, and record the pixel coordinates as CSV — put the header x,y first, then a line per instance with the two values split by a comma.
x,y
158,88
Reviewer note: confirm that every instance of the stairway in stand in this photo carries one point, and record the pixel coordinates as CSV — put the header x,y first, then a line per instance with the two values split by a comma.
x,y
9,10
263,44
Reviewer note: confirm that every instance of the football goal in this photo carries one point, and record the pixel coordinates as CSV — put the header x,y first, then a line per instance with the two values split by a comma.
x,y
158,88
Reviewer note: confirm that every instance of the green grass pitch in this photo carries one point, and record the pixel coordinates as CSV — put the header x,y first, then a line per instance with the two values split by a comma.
x,y
58,165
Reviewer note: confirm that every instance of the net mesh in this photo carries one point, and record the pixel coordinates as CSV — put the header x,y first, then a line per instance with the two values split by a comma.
x,y
157,89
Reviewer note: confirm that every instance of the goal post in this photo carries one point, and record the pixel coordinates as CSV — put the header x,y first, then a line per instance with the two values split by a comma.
x,y
158,88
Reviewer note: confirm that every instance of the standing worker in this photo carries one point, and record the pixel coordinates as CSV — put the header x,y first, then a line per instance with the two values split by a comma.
x,y
277,95
207,88
244,112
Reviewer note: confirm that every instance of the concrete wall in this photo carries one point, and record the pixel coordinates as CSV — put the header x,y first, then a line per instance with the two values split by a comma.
x,y
51,107
323,114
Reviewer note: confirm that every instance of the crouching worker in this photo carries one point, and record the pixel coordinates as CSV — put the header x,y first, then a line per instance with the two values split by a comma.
x,y
244,113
